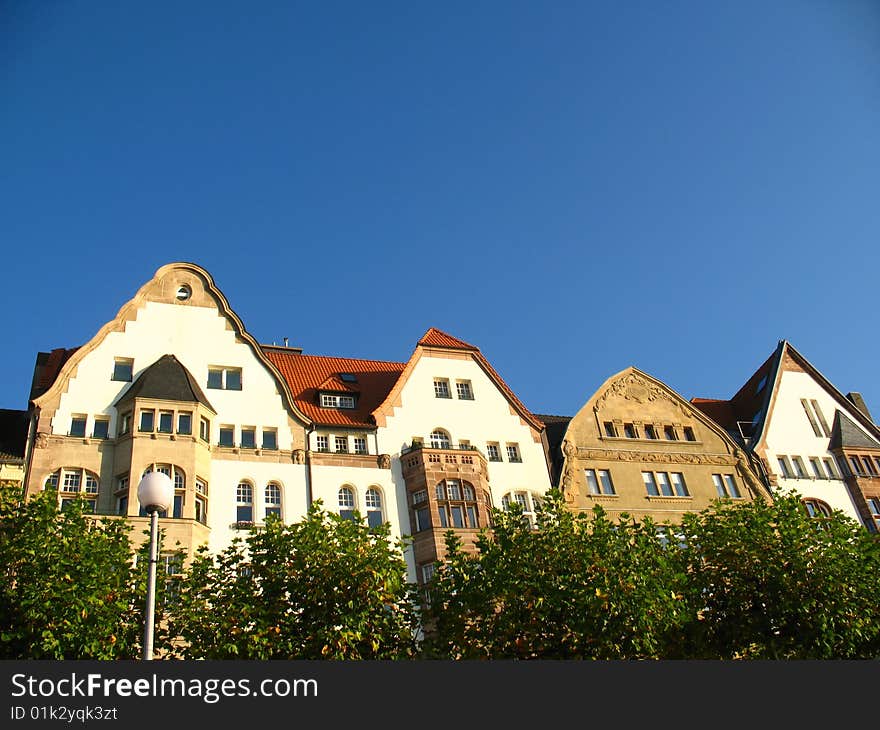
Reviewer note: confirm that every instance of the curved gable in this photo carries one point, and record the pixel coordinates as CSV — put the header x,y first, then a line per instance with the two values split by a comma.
x,y
181,284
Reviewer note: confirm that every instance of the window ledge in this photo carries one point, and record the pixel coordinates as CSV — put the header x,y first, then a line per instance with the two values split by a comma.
x,y
604,497
666,498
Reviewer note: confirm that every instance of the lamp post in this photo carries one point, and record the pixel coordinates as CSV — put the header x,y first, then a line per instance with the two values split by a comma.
x,y
155,493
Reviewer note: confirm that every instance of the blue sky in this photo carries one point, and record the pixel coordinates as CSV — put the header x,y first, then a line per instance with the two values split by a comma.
x,y
573,187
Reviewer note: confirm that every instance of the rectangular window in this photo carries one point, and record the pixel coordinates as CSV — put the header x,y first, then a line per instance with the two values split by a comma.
x,y
669,433
205,429
678,484
463,390
125,426
78,425
457,515
427,572
70,481
166,421
224,378
664,484
233,379
227,436
472,516
122,505
729,482
337,401
248,437
441,388
869,465
101,429
423,519
420,496
493,452
147,417
341,444
629,430
123,368
650,484
784,468
609,429
360,445
184,423
443,516
322,443
821,418
215,379
829,468
799,470
605,481
513,453
689,434
177,509
592,482
817,468
874,507
855,465
810,417
719,485
650,431
270,439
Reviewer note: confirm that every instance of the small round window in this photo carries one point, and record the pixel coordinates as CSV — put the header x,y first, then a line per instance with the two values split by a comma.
x,y
183,292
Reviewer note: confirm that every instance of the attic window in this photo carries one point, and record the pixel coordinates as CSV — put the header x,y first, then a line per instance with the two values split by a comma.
x,y
336,401
761,383
348,377
184,292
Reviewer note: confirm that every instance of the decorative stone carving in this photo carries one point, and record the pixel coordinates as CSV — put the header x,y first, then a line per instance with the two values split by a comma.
x,y
42,440
384,461
658,457
299,456
569,449
635,388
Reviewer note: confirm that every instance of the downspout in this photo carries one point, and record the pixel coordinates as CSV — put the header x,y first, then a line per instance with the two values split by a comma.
x,y
33,420
309,465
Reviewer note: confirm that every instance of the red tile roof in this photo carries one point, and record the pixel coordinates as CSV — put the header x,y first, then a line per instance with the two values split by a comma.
x,y
307,375
437,338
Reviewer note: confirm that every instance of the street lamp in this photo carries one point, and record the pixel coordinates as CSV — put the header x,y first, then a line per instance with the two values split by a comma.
x,y
155,493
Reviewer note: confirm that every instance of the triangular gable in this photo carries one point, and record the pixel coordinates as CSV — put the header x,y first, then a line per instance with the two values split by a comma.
x,y
439,340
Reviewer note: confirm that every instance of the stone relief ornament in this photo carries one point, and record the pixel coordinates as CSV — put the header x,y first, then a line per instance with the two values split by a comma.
x,y
42,440
384,461
299,456
635,388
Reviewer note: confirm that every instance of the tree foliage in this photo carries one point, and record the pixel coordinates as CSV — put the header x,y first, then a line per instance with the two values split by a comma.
x,y
68,589
323,588
579,587
767,581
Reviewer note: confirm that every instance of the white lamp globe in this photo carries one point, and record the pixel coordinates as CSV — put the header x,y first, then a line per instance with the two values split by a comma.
x,y
155,492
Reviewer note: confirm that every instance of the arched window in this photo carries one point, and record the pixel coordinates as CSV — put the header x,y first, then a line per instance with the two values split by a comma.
x,y
244,501
457,504
346,503
373,503
439,439
74,484
273,500
817,508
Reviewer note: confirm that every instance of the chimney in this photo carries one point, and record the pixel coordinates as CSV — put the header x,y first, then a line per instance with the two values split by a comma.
x,y
285,344
859,402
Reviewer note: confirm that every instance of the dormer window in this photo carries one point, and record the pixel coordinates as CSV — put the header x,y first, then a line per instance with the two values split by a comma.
x,y
328,400
348,377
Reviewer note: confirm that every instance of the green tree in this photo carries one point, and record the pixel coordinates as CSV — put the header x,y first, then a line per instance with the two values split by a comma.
x,y
767,581
68,589
322,588
580,586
